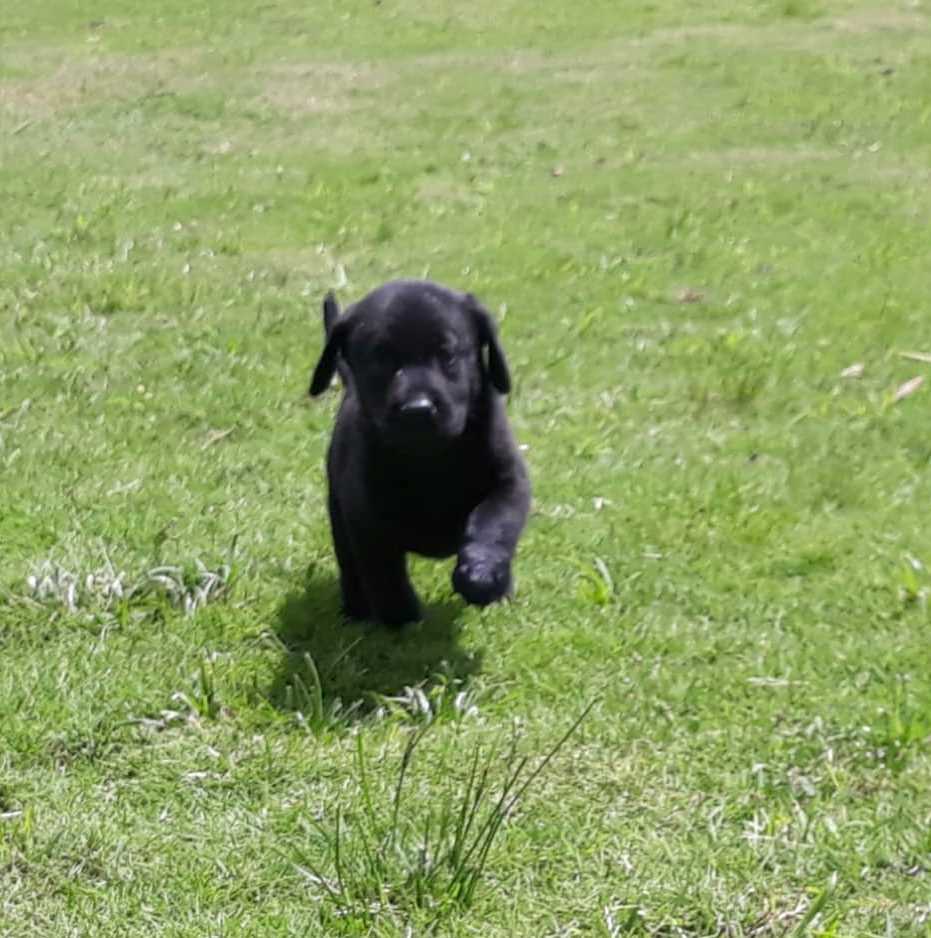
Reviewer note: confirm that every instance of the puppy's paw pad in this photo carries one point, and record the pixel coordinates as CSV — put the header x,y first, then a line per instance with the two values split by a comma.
x,y
482,580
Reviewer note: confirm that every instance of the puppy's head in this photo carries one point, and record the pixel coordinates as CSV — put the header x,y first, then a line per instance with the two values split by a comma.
x,y
419,357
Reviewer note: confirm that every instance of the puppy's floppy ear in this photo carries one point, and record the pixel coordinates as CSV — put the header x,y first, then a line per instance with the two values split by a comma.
x,y
330,313
497,366
336,328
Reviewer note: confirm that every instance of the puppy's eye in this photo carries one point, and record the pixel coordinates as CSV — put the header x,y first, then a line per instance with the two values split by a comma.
x,y
449,358
384,359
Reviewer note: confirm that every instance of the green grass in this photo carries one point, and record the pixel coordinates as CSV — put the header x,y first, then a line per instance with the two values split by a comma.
x,y
689,219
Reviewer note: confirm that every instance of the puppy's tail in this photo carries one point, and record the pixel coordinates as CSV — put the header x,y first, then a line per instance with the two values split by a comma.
x,y
330,315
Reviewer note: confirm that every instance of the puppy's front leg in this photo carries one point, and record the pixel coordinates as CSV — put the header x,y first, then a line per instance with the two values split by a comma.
x,y
483,568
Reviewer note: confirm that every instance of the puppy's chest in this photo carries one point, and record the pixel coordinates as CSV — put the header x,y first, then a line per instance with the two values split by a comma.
x,y
429,509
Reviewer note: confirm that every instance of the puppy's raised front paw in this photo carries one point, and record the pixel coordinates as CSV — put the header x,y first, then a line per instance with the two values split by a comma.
x,y
482,577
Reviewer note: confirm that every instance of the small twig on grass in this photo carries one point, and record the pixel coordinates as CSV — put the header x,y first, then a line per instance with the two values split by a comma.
x,y
924,357
215,436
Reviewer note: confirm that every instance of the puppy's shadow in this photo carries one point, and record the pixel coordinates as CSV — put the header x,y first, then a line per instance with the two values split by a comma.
x,y
355,664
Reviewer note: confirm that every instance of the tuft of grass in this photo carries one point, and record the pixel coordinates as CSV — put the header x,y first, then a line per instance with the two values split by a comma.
x,y
187,588
903,729
425,850
800,9
914,582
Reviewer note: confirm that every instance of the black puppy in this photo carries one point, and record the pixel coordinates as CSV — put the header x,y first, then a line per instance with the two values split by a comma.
x,y
422,458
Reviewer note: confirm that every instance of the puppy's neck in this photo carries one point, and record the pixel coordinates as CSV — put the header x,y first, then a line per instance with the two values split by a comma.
x,y
409,455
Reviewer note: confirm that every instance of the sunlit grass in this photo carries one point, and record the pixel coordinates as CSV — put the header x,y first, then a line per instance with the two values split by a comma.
x,y
702,231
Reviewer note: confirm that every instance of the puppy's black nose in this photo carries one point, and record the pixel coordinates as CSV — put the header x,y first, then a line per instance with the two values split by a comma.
x,y
419,409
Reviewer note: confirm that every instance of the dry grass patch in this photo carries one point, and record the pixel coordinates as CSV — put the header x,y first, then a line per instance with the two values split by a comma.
x,y
882,19
76,83
794,33
317,87
763,156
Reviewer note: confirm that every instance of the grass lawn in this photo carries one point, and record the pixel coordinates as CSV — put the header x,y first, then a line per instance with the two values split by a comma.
x,y
704,231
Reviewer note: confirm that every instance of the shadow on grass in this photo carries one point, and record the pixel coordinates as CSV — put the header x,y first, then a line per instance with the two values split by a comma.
x,y
357,663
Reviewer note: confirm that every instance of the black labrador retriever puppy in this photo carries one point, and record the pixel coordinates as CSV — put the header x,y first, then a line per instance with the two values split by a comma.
x,y
422,458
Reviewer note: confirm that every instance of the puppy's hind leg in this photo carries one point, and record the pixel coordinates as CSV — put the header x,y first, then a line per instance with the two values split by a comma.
x,y
355,601
383,570
372,575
